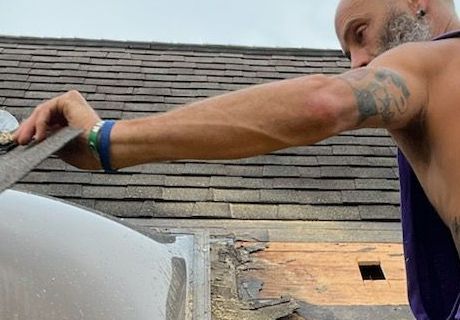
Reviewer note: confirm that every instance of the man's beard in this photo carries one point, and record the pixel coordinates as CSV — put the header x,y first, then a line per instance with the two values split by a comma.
x,y
400,28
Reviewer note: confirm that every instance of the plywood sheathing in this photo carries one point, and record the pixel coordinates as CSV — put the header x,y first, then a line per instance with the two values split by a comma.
x,y
328,273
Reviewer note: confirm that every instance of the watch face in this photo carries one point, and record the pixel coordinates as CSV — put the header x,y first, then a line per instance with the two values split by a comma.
x,y
8,122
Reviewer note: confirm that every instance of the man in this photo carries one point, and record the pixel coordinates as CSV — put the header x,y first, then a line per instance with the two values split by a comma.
x,y
410,90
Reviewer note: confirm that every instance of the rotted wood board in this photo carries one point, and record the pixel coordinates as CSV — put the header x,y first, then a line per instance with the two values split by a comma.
x,y
329,273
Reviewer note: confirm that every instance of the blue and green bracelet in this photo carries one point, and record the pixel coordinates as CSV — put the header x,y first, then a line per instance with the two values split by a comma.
x,y
99,143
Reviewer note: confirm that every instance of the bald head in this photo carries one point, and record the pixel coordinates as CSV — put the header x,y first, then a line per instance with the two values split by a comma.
x,y
367,28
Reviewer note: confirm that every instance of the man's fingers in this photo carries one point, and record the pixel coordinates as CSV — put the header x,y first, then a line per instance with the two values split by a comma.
x,y
38,123
25,132
68,109
41,126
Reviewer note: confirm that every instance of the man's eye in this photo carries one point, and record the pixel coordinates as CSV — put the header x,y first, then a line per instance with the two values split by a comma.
x,y
359,34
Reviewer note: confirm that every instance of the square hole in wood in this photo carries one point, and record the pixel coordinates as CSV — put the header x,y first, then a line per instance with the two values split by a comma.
x,y
371,271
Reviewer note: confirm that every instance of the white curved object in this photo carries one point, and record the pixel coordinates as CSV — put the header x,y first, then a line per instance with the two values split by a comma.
x,y
58,261
8,122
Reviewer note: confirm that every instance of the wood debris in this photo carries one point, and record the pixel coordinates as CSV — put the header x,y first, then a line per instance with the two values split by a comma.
x,y
6,138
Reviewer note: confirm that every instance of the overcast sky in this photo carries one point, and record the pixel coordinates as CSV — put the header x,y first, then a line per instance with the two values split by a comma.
x,y
288,23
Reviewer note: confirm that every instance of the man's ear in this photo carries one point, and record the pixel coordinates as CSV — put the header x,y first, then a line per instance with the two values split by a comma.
x,y
417,5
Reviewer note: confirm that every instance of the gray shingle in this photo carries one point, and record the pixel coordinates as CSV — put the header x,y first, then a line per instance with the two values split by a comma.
x,y
191,78
229,182
383,162
211,209
352,150
17,102
311,150
37,95
125,209
281,171
254,211
110,179
144,192
311,184
305,197
114,90
379,212
32,187
54,164
146,107
352,172
349,177
325,213
371,197
241,196
204,169
60,177
377,184
86,203
186,194
134,98
105,105
153,91
65,190
105,192
243,171
310,172
5,63
13,77
171,210
147,180
72,74
14,85
10,93
189,181
15,70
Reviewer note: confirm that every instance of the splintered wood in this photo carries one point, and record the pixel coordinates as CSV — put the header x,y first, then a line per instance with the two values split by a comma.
x,y
329,274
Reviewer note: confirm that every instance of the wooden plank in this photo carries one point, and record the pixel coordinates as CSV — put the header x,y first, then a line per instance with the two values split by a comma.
x,y
269,224
283,231
328,273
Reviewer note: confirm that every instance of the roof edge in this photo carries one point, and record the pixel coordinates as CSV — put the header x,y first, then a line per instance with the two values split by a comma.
x,y
166,46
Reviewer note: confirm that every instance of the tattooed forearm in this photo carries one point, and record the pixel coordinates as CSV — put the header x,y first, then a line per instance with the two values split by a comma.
x,y
378,93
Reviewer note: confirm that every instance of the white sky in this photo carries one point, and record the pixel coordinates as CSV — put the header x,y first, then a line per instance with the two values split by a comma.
x,y
288,23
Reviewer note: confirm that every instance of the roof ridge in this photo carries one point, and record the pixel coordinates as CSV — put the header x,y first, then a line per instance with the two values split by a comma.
x,y
167,46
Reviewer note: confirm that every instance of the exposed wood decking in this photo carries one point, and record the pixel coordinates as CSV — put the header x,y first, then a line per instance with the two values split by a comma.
x,y
329,274
316,263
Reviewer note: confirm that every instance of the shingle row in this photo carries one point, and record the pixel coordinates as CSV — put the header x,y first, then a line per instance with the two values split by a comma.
x,y
349,177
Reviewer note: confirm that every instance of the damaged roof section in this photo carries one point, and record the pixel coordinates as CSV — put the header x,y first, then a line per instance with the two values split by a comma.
x,y
350,177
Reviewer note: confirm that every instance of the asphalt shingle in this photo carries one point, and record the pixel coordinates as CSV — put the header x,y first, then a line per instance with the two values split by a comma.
x,y
349,177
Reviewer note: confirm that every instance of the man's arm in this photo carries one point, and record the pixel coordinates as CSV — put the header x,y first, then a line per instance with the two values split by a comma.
x,y
240,124
392,91
245,123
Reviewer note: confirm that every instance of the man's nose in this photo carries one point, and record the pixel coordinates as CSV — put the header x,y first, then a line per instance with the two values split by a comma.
x,y
360,58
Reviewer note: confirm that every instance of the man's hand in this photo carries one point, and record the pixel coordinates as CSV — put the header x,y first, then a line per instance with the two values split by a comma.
x,y
69,109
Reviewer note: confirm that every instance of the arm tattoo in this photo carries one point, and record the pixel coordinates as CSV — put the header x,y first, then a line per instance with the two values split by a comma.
x,y
378,92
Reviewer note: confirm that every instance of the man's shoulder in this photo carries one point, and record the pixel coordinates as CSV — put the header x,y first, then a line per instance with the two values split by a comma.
x,y
421,56
423,47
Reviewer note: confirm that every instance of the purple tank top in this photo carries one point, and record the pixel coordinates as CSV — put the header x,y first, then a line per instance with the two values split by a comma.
x,y
432,261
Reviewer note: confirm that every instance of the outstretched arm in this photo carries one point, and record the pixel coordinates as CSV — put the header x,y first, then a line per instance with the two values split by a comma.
x,y
243,123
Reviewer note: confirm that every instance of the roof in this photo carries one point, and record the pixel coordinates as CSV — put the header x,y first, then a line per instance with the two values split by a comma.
x,y
351,177
348,182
